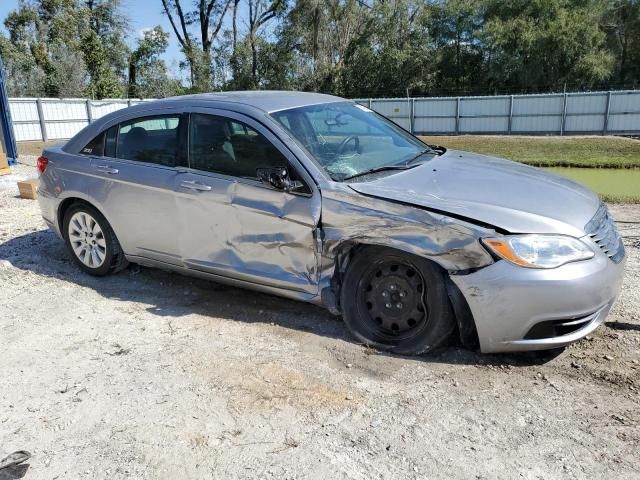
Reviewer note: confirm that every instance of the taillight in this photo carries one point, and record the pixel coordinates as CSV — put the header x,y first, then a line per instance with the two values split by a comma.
x,y
42,163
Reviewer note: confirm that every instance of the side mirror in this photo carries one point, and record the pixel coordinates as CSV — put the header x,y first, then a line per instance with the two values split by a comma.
x,y
278,178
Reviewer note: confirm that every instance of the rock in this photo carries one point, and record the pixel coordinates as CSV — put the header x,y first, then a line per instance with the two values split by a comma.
x,y
607,357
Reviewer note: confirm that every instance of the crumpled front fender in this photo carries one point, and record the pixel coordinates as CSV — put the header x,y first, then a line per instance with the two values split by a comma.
x,y
350,220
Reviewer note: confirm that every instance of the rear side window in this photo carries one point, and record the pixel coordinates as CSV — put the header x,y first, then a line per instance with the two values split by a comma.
x,y
150,140
95,147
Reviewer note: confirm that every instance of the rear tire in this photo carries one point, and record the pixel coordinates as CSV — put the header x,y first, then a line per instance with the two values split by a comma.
x,y
396,302
91,241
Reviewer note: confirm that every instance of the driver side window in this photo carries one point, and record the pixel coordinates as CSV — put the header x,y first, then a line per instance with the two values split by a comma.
x,y
222,145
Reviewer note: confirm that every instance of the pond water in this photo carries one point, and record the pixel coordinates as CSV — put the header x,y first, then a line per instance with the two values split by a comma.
x,y
613,182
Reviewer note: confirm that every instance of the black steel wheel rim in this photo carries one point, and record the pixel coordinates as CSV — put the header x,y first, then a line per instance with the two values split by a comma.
x,y
391,295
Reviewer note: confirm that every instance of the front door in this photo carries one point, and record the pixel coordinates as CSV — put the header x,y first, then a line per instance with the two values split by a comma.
x,y
235,226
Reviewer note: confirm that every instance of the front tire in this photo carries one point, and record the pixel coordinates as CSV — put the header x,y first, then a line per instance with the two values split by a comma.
x,y
91,242
396,302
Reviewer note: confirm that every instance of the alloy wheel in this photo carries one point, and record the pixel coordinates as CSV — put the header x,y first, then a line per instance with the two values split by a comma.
x,y
87,239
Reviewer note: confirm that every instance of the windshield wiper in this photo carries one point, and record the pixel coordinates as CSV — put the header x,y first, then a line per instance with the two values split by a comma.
x,y
380,169
414,158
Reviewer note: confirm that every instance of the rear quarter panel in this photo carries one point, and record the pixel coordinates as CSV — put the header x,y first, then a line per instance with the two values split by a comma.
x,y
67,176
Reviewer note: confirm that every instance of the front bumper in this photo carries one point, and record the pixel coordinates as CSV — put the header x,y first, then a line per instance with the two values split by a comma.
x,y
508,301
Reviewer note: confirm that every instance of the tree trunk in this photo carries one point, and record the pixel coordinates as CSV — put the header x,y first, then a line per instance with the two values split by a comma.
x,y
234,25
132,87
254,59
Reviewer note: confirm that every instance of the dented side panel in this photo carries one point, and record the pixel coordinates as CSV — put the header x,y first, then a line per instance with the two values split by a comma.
x,y
249,232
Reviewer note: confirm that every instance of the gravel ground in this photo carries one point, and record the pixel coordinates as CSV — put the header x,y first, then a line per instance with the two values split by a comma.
x,y
148,374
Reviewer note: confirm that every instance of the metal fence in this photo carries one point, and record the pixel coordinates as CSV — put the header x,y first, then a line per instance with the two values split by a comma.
x,y
593,113
54,119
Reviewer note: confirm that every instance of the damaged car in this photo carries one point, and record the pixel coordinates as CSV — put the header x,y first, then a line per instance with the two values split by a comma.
x,y
320,199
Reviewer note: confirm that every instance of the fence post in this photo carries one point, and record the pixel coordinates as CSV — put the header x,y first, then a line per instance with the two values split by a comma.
x,y
88,107
6,124
510,113
563,123
606,114
43,124
457,115
412,115
370,104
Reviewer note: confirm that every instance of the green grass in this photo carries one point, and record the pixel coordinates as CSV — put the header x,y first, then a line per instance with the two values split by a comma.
x,y
584,152
608,165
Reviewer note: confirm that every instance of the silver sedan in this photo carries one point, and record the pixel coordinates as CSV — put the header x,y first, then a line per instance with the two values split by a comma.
x,y
320,199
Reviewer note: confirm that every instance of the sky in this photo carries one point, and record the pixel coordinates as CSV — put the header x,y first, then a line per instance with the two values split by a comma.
x,y
142,14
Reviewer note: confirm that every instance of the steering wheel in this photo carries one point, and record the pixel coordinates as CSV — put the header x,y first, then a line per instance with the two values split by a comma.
x,y
345,142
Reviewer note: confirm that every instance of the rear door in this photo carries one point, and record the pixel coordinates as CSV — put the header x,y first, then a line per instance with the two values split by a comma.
x,y
232,224
135,191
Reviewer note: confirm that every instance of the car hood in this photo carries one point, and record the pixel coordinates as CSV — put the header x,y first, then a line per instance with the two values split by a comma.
x,y
504,194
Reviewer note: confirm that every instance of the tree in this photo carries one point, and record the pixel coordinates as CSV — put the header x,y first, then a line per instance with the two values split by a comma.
x,y
260,13
347,47
148,77
622,24
105,51
543,44
41,33
24,78
319,34
456,26
209,16
393,54
75,48
103,82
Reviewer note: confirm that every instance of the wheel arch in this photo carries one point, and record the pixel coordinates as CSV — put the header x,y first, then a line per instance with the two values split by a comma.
x,y
118,257
67,203
343,256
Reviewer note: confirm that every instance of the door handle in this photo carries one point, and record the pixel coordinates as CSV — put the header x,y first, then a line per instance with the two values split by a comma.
x,y
191,185
107,169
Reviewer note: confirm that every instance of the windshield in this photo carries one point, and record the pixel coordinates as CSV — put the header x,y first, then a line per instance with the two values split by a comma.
x,y
348,140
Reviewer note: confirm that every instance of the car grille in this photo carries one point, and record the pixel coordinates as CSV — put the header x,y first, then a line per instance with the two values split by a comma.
x,y
602,229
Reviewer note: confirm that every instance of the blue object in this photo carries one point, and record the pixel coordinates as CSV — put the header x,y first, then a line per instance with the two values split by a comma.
x,y
5,119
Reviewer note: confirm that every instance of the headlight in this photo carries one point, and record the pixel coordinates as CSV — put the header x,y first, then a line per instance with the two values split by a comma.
x,y
539,251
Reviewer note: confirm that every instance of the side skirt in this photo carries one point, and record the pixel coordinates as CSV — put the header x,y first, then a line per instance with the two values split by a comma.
x,y
290,294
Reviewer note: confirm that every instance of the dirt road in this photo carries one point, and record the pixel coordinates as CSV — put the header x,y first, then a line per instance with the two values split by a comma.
x,y
148,374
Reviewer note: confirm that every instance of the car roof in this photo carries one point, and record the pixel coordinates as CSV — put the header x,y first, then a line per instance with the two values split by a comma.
x,y
266,100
